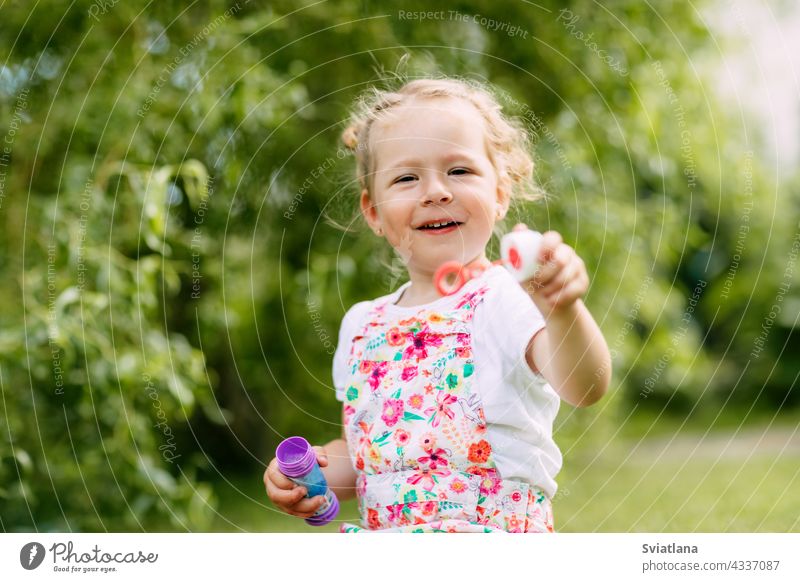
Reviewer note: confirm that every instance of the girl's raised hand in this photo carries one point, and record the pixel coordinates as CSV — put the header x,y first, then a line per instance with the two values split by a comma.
x,y
561,278
287,495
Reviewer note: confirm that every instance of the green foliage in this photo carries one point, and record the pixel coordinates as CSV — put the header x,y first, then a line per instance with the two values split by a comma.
x,y
166,207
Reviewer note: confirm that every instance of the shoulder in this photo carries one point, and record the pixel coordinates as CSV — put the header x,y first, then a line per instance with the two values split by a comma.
x,y
505,293
356,315
508,318
357,311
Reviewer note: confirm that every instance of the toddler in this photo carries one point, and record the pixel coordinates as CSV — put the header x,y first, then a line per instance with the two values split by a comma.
x,y
449,402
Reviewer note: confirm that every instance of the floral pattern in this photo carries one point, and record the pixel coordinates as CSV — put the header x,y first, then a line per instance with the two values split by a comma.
x,y
416,430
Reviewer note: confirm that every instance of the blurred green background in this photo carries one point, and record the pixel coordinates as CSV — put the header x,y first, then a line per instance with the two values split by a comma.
x,y
170,177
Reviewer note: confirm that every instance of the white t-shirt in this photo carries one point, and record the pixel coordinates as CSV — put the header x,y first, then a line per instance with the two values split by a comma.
x,y
519,405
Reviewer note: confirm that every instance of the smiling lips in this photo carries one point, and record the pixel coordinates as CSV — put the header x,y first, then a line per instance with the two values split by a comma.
x,y
440,226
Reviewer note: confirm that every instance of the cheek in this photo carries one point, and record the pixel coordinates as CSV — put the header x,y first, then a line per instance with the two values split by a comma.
x,y
397,213
485,213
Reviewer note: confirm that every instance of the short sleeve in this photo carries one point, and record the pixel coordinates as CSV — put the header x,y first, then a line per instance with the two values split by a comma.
x,y
506,321
347,330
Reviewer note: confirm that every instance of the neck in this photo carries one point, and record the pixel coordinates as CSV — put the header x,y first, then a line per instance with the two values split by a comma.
x,y
423,290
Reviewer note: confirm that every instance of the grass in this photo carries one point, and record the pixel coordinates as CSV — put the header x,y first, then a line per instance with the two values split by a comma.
x,y
696,493
732,481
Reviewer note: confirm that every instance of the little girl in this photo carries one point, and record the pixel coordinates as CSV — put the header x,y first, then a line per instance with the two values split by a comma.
x,y
449,402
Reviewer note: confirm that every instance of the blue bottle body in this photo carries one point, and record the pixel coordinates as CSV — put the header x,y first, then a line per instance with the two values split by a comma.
x,y
297,460
314,481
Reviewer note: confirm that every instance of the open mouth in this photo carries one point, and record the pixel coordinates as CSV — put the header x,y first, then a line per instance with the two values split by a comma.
x,y
440,225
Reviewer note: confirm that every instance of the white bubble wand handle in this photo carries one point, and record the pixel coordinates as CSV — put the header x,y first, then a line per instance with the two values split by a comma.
x,y
519,250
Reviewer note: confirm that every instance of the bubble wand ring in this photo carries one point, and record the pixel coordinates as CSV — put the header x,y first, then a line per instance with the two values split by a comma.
x,y
519,250
453,275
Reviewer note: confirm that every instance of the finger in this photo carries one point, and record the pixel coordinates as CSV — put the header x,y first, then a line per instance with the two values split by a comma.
x,y
322,456
561,279
568,296
280,480
550,242
284,497
520,226
284,500
573,274
307,507
559,259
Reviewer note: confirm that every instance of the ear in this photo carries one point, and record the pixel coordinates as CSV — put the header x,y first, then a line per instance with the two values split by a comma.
x,y
370,212
503,194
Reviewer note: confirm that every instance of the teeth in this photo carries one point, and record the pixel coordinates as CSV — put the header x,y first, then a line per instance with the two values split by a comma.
x,y
437,224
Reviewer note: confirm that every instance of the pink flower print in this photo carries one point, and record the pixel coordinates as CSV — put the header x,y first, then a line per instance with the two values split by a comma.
x,y
373,519
420,343
415,401
427,477
434,458
401,437
463,352
394,512
361,487
458,486
428,507
443,403
490,482
463,339
348,411
392,410
490,485
394,337
365,366
399,513
378,372
409,373
468,298
428,441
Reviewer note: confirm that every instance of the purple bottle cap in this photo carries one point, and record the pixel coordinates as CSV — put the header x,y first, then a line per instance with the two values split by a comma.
x,y
327,516
295,457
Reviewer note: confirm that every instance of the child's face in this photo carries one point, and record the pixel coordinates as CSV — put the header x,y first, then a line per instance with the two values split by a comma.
x,y
430,163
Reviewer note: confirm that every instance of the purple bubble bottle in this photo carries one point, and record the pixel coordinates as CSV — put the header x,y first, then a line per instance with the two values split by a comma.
x,y
297,460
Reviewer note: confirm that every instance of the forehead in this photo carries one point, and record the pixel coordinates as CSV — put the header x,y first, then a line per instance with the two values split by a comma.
x,y
427,127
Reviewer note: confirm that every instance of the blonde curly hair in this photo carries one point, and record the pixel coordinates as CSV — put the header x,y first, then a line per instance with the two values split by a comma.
x,y
508,141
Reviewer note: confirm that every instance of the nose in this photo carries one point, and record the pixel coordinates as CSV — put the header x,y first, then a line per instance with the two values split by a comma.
x,y
436,193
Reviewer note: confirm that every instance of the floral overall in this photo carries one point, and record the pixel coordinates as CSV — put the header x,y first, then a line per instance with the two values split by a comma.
x,y
416,430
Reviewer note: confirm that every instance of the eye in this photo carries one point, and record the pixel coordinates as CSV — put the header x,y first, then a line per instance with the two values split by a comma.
x,y
406,178
459,171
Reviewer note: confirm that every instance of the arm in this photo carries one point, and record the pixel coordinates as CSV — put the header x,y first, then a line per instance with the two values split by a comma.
x,y
572,355
570,351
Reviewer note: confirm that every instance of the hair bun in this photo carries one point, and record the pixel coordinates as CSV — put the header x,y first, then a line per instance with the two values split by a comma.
x,y
350,136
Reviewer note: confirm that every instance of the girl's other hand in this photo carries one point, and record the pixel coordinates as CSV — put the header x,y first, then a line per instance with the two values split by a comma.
x,y
287,495
561,278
